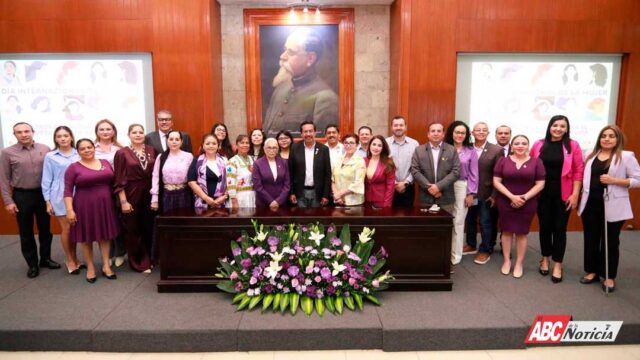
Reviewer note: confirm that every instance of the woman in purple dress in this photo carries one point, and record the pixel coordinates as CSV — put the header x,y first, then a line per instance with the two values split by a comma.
x,y
518,178
89,203
207,175
270,175
133,168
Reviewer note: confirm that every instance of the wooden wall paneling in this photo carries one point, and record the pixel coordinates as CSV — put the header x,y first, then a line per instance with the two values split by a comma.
x,y
440,29
182,36
400,60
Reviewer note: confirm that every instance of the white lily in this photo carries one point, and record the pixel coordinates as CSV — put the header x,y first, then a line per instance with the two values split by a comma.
x,y
316,236
384,276
346,248
337,268
366,235
260,236
273,269
276,257
288,250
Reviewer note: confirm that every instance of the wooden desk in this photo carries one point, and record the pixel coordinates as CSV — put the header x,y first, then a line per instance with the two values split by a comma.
x,y
418,243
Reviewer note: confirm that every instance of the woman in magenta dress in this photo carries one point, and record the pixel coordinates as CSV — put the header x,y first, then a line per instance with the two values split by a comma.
x,y
518,179
133,168
89,203
380,178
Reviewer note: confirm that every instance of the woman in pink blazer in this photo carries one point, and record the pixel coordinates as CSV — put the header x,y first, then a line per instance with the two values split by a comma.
x,y
564,167
381,173
609,174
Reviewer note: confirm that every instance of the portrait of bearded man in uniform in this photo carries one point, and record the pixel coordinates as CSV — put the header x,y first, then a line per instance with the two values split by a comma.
x,y
297,92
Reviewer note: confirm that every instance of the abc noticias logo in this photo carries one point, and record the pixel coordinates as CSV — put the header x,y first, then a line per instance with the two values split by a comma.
x,y
554,329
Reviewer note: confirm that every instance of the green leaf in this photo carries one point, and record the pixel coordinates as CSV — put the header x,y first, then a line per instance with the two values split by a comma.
x,y
276,302
319,306
244,303
284,302
330,302
255,301
226,266
358,299
293,302
339,305
348,301
373,299
227,286
266,302
238,297
306,303
345,235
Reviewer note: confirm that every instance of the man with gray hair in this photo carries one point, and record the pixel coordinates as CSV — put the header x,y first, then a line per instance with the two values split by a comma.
x,y
488,154
158,138
299,93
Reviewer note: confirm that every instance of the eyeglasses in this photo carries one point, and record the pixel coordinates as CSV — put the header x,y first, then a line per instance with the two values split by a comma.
x,y
164,119
221,130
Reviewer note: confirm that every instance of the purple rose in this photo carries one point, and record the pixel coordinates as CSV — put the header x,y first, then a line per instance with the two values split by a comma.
x,y
368,269
372,260
295,282
320,263
353,257
264,263
236,251
256,271
268,288
245,263
293,271
272,241
352,281
331,290
336,242
239,286
325,273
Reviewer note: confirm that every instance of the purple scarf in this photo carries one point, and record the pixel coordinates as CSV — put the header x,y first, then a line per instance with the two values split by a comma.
x,y
221,187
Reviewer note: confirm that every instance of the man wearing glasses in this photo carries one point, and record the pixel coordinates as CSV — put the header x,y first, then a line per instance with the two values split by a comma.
x,y
158,138
299,94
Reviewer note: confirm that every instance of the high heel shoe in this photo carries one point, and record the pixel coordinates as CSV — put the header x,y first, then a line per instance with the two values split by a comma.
x,y
110,277
543,272
555,279
585,280
92,280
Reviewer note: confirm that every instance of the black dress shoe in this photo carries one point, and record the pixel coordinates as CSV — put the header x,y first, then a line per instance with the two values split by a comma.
x,y
33,272
110,277
48,263
92,280
611,288
585,280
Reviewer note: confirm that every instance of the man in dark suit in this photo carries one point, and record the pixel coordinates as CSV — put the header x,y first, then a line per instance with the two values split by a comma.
x,y
158,138
435,166
310,170
488,155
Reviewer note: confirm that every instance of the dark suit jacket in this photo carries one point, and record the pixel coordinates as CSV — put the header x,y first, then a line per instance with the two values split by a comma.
x,y
486,163
379,189
321,170
153,139
448,172
267,189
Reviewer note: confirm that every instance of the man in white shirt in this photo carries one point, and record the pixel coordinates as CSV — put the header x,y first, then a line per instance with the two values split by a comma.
x,y
158,138
310,170
402,148
336,149
503,137
364,136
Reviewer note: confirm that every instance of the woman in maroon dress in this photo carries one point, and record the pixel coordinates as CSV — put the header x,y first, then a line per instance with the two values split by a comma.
x,y
90,208
518,178
134,167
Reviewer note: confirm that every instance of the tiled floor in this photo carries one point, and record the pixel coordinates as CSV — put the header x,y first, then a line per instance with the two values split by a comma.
x,y
618,352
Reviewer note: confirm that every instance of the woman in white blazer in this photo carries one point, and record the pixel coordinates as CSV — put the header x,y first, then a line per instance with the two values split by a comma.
x,y
609,173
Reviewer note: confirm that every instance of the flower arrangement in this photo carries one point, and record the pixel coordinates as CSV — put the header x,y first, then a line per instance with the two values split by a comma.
x,y
293,266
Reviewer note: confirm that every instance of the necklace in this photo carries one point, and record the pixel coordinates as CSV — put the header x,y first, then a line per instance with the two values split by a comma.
x,y
142,157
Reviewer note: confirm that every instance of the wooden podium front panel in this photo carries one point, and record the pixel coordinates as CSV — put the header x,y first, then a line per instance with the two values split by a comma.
x,y
418,243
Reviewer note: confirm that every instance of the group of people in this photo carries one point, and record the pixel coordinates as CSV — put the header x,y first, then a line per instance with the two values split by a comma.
x,y
101,191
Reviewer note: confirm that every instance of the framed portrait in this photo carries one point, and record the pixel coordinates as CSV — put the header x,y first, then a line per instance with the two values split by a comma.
x,y
299,67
